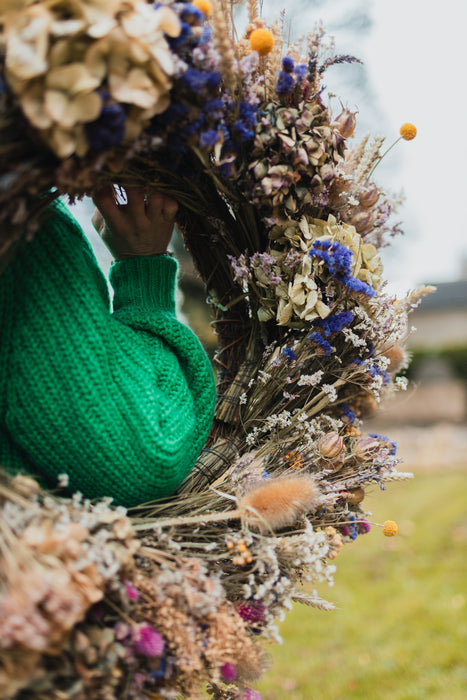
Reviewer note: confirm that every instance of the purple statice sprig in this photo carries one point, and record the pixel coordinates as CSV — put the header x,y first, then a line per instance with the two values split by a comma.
x,y
108,130
334,323
390,443
322,344
337,258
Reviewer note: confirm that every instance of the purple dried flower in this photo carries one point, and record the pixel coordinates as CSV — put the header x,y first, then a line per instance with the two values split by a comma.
x,y
147,641
289,353
228,672
208,138
365,526
323,345
288,64
301,71
285,83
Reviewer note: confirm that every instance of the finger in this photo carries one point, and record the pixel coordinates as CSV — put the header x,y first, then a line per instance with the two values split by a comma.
x,y
97,220
105,201
161,206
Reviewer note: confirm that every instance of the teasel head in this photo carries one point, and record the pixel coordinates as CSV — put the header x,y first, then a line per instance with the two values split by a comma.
x,y
398,358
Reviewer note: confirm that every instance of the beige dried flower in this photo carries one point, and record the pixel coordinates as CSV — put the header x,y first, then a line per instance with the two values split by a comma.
x,y
58,55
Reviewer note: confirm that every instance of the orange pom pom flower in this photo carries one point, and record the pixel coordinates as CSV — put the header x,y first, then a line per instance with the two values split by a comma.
x,y
390,528
408,131
261,40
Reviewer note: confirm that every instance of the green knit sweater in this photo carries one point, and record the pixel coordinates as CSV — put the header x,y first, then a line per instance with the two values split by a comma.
x,y
120,401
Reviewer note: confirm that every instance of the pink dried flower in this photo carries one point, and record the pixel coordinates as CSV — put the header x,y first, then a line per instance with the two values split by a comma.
x,y
131,592
251,694
147,641
251,612
228,672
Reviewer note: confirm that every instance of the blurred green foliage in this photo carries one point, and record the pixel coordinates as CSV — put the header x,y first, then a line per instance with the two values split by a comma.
x,y
455,357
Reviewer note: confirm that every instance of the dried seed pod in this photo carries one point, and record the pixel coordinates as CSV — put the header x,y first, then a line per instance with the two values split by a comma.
x,y
330,445
345,123
366,448
337,463
369,198
361,220
355,496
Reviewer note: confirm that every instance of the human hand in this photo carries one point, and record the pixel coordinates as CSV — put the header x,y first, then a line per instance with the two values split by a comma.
x,y
143,226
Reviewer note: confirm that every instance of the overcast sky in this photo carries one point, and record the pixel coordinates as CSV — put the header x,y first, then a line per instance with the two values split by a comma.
x,y
415,73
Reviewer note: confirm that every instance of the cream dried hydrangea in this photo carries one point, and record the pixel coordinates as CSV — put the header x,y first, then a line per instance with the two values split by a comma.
x,y
62,58
293,292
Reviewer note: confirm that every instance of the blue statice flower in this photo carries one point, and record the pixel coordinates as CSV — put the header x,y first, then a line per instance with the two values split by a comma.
x,y
176,42
288,64
335,323
205,36
108,129
242,131
352,527
338,260
375,371
358,286
194,79
213,81
319,340
285,83
301,71
192,15
208,138
393,448
336,257
214,107
289,353
347,411
372,368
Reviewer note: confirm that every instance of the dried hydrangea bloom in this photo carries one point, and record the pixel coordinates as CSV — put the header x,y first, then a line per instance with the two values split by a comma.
x,y
67,61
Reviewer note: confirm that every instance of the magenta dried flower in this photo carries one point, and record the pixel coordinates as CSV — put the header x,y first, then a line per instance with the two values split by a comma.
x,y
251,612
251,694
228,672
147,641
131,592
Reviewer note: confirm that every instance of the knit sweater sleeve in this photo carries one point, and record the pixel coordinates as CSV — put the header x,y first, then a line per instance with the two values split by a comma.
x,y
122,402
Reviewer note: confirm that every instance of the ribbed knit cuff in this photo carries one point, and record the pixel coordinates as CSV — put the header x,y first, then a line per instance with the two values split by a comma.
x,y
145,282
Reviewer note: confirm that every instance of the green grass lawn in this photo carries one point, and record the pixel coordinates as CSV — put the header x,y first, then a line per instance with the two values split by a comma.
x,y
400,628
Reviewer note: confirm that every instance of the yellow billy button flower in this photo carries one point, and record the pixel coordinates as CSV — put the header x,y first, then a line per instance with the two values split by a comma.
x,y
390,528
203,6
261,40
408,131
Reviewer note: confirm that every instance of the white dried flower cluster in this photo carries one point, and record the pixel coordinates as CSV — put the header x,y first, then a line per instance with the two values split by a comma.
x,y
330,391
401,383
356,340
311,379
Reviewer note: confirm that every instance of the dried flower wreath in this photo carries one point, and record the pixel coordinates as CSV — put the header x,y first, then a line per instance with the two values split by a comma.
x,y
285,223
